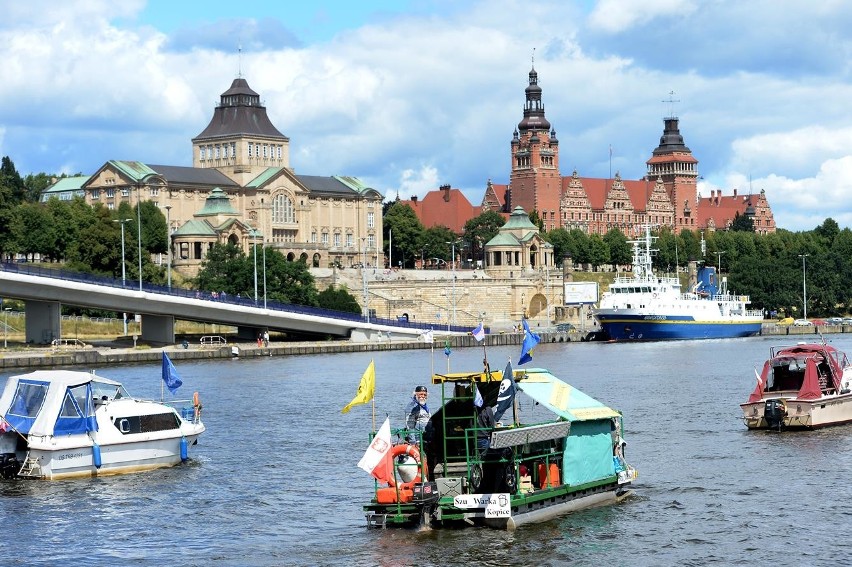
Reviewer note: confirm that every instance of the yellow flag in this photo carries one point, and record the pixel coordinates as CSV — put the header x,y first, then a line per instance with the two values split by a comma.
x,y
365,389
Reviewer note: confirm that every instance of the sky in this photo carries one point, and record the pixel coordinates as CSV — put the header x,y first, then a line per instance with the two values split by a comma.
x,y
409,95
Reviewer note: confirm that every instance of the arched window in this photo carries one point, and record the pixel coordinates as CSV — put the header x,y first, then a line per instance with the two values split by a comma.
x,y
283,210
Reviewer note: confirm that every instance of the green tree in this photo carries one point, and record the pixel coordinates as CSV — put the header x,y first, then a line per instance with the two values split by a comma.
x,y
338,299
742,223
536,219
480,229
433,242
597,252
402,230
620,251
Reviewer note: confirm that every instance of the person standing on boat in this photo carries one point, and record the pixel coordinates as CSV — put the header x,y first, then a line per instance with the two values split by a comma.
x,y
417,414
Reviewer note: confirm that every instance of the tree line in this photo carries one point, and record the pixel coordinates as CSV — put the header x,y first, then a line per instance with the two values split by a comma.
x,y
776,270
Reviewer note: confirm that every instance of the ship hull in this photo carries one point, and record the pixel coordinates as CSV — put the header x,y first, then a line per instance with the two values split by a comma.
x,y
621,326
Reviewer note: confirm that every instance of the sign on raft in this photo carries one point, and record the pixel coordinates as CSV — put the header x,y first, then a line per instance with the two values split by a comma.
x,y
496,505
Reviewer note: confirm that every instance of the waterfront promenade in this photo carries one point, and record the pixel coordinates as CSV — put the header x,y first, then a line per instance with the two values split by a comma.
x,y
105,355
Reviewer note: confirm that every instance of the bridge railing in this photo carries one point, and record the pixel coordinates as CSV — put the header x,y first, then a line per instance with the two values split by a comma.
x,y
215,296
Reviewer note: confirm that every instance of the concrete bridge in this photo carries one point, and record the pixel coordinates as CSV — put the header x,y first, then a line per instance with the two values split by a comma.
x,y
45,290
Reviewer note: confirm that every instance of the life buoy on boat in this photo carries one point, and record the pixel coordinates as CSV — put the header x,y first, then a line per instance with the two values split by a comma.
x,y
404,492
412,451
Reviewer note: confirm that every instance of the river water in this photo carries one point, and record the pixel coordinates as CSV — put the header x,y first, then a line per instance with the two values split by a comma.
x,y
274,480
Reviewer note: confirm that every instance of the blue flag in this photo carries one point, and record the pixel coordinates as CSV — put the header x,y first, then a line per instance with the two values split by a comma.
x,y
170,375
530,342
507,392
447,350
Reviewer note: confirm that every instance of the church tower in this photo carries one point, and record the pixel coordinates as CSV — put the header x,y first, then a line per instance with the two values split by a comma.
x,y
534,182
240,140
673,164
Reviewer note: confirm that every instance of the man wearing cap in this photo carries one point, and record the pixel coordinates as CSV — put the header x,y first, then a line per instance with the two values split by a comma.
x,y
417,413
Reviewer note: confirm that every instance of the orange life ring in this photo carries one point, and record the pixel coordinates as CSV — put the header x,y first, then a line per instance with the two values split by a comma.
x,y
413,451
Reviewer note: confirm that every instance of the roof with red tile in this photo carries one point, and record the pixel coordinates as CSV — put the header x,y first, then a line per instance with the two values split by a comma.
x,y
722,209
444,207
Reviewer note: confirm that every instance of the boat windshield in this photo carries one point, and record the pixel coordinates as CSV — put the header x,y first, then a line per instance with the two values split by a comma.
x,y
104,391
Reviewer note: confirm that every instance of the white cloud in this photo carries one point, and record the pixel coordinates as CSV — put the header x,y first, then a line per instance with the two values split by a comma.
x,y
615,16
414,182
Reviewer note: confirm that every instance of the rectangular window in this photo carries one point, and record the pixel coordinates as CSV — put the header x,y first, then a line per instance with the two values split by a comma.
x,y
233,149
325,238
125,192
250,148
371,220
371,241
349,240
337,240
264,151
201,153
96,194
314,237
279,152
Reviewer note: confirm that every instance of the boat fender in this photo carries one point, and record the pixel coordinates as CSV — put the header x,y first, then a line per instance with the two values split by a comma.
x,y
96,455
184,449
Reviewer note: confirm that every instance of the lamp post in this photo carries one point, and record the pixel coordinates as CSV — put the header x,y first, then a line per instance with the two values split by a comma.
x,y
453,259
123,271
253,234
719,256
6,325
804,287
264,273
364,280
169,243
139,229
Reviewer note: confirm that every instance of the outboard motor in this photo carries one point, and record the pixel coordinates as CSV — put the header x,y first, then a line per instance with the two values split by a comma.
x,y
9,466
774,412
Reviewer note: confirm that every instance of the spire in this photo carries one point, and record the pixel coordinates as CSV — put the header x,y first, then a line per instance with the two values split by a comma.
x,y
533,108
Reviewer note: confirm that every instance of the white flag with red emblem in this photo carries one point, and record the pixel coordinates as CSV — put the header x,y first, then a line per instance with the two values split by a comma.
x,y
377,460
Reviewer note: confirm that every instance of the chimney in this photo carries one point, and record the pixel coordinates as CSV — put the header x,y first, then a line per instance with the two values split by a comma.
x,y
735,191
414,198
446,190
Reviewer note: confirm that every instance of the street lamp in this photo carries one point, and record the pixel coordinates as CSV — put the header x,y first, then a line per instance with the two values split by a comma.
x,y
719,256
123,272
169,242
139,229
804,287
264,273
453,253
364,280
253,234
6,325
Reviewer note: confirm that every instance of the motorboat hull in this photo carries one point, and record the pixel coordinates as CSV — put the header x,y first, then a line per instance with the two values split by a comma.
x,y
802,414
69,460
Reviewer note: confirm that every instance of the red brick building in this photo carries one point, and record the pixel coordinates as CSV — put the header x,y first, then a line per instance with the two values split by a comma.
x,y
667,195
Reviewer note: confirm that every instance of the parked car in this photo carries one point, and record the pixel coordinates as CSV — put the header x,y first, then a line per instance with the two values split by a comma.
x,y
846,321
834,321
802,323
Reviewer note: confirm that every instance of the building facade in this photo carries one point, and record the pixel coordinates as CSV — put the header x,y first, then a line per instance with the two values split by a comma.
x,y
666,196
242,189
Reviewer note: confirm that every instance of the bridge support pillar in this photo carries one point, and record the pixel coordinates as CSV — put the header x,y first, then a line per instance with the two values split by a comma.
x,y
158,329
43,321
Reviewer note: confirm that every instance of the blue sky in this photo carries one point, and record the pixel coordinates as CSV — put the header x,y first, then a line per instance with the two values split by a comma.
x,y
409,95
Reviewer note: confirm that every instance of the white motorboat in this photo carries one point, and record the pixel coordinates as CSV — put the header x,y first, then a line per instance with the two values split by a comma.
x,y
805,386
57,424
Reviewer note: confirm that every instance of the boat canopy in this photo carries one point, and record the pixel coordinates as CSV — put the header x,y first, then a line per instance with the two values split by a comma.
x,y
561,398
53,402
